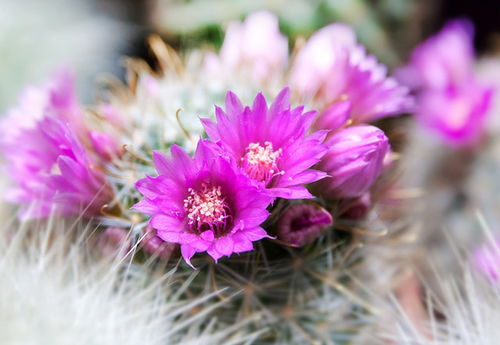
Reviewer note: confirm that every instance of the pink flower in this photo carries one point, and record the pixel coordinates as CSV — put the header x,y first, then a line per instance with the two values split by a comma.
x,y
456,115
53,172
451,103
270,145
354,161
255,46
443,59
203,203
333,67
41,143
301,224
56,98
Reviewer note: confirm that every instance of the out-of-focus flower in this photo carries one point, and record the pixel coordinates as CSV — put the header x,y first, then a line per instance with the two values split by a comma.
x,y
104,145
41,141
333,67
255,47
56,98
443,59
450,102
486,260
356,209
456,115
53,172
301,224
203,203
270,145
112,241
354,161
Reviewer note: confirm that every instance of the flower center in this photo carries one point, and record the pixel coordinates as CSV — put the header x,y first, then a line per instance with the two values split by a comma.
x,y
206,209
260,162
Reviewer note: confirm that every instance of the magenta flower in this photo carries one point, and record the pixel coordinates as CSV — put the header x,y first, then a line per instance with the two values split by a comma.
x,y
270,145
456,115
333,67
451,103
53,172
204,204
443,59
255,46
301,224
40,140
354,161
56,98
486,260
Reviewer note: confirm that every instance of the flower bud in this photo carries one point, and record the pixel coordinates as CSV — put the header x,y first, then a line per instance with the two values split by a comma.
x,y
301,224
154,245
354,161
358,208
112,241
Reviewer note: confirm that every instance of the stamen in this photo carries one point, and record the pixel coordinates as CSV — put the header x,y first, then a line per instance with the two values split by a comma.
x,y
261,162
206,209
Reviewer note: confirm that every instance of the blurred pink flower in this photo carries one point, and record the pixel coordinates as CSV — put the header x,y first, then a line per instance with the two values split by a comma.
x,y
333,67
41,142
443,59
457,114
255,46
53,172
451,103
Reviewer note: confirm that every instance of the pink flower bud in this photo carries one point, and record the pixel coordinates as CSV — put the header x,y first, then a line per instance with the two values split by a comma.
x,y
354,161
301,224
113,241
154,245
358,208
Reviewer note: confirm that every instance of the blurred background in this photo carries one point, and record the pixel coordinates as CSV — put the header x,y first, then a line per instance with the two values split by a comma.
x,y
90,36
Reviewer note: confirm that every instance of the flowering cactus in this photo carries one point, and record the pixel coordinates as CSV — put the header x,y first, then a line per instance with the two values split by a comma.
x,y
230,193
